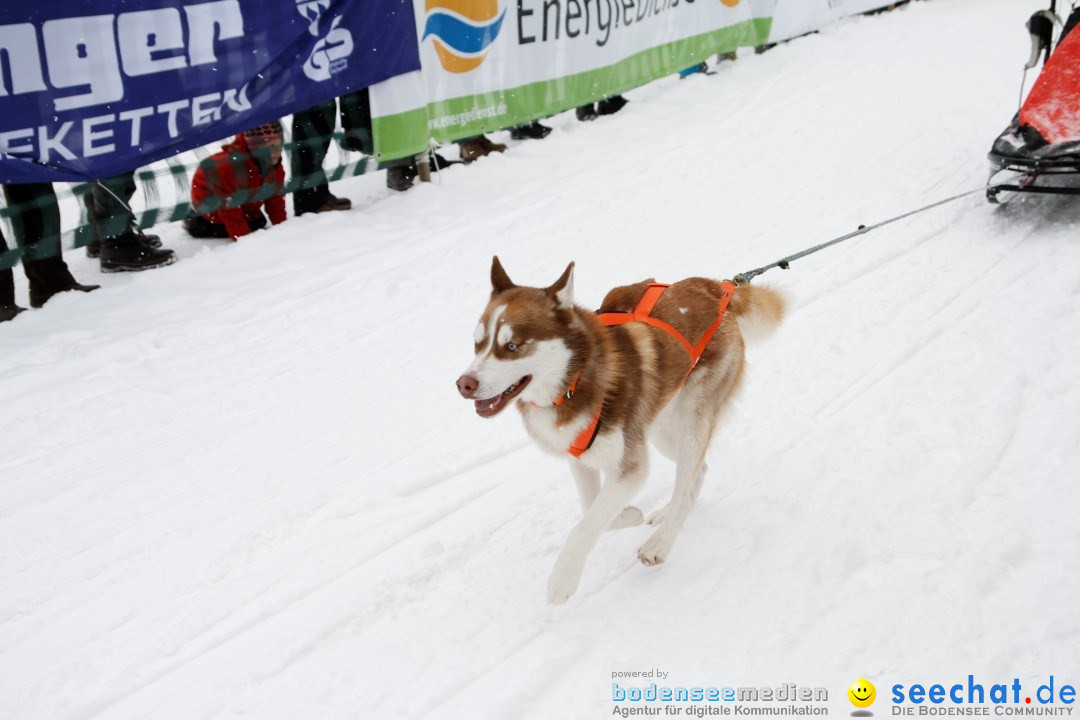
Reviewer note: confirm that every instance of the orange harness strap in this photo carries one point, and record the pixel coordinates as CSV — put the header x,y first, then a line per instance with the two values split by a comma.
x,y
643,313
585,438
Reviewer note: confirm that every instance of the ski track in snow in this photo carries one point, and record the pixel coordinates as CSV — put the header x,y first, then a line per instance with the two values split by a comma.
x,y
245,486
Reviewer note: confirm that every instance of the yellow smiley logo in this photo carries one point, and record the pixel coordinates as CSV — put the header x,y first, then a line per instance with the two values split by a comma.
x,y
862,693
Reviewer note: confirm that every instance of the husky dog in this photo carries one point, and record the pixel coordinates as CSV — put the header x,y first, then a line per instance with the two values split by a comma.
x,y
594,393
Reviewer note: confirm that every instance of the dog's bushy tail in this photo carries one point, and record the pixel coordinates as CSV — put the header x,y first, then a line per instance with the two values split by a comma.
x,y
759,310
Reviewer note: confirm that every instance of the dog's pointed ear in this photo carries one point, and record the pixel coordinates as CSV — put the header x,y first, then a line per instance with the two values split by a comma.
x,y
563,289
500,281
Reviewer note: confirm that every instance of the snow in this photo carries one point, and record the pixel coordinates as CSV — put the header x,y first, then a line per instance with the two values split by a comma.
x,y
245,486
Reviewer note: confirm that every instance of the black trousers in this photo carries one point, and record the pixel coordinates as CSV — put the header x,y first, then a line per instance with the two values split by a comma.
x,y
199,226
37,231
7,279
312,132
109,207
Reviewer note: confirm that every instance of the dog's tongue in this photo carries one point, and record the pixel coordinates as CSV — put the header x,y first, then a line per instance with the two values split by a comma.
x,y
489,404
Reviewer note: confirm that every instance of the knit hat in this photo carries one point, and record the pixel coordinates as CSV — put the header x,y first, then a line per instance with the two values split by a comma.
x,y
265,133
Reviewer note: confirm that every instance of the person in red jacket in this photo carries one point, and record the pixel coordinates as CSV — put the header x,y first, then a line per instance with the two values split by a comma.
x,y
233,187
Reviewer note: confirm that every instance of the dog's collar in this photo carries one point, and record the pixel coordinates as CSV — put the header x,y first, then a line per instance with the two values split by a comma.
x,y
585,438
569,393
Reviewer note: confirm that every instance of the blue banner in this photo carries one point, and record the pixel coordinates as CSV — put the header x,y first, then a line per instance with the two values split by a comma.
x,y
89,90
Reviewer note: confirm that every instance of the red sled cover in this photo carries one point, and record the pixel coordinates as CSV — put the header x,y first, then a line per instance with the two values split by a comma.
x,y
1052,108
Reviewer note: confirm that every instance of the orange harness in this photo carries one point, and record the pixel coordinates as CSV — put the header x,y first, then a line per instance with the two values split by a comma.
x,y
643,313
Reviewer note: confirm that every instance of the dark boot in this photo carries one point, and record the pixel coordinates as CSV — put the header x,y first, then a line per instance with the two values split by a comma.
x,y
39,297
477,147
339,203
530,131
490,146
93,249
586,113
131,252
438,162
611,105
332,204
124,247
8,312
400,177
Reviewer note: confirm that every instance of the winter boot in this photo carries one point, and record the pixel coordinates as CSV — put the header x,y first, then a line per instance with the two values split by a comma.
x,y
611,105
39,297
334,204
478,147
530,131
93,249
472,150
49,276
340,203
489,146
586,113
400,177
8,312
131,252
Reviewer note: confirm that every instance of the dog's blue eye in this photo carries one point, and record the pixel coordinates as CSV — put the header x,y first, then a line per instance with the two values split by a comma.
x,y
512,347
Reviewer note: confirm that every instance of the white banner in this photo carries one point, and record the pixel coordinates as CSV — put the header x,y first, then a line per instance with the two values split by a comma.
x,y
491,64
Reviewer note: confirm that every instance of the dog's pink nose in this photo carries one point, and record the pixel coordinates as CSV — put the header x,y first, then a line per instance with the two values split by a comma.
x,y
467,385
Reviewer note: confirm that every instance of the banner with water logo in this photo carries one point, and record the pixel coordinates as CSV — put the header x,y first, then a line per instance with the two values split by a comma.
x,y
90,90
492,64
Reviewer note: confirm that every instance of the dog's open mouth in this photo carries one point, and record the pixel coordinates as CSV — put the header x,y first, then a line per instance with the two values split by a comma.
x,y
492,406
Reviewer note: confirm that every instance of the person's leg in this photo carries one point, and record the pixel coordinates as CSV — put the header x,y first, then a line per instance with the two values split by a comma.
x,y
37,231
199,227
8,308
123,246
356,122
86,235
312,131
112,205
257,222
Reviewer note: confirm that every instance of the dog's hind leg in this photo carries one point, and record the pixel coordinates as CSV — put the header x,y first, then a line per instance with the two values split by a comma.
x,y
588,485
656,548
658,517
613,497
696,430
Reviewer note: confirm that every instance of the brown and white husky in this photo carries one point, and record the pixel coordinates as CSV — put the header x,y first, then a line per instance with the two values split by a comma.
x,y
595,392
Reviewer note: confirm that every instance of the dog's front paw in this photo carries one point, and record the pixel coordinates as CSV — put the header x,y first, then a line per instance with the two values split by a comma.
x,y
629,517
656,549
657,517
563,582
